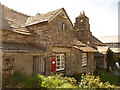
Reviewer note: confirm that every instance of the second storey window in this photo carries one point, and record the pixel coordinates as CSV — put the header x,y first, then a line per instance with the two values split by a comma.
x,y
61,26
60,62
84,59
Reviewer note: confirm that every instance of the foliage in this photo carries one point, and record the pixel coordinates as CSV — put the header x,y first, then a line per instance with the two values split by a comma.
x,y
105,76
91,81
58,81
27,81
111,60
117,59
99,71
41,81
76,76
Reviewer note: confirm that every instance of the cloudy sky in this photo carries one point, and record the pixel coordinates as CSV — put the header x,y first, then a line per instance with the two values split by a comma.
x,y
103,14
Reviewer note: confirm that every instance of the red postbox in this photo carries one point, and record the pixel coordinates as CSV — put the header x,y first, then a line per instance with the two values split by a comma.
x,y
53,65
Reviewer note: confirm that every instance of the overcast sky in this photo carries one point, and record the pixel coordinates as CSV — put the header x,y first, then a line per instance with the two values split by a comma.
x,y
103,14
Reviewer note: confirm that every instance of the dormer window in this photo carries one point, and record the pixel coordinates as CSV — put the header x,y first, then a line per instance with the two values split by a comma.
x,y
61,26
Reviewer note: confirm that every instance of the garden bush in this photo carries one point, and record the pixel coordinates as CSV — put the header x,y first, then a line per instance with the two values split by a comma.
x,y
58,81
91,81
25,80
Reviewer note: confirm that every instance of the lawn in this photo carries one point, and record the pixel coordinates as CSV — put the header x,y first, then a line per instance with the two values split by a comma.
x,y
105,76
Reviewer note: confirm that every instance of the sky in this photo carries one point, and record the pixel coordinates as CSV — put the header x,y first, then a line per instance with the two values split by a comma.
x,y
102,14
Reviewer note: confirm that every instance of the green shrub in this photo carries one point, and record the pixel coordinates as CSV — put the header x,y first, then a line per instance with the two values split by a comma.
x,y
25,80
57,81
105,76
99,71
77,77
111,60
91,81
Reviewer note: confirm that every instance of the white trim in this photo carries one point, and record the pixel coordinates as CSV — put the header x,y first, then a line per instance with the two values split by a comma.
x,y
60,62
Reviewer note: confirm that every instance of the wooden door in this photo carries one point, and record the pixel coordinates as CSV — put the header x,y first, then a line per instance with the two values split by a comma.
x,y
38,65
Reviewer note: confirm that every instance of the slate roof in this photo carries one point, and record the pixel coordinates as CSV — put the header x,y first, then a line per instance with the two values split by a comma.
x,y
97,41
42,17
83,47
13,20
15,47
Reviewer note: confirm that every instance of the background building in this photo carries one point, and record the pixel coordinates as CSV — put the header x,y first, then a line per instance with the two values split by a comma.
x,y
113,42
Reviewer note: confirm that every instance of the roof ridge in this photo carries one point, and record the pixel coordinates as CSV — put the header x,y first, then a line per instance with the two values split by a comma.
x,y
42,17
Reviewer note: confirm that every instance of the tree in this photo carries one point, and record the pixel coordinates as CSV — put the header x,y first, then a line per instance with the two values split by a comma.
x,y
110,60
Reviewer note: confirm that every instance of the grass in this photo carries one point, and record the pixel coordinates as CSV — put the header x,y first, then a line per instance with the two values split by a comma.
x,y
105,76
25,80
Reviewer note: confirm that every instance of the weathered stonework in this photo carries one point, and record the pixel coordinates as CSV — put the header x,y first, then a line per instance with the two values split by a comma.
x,y
37,43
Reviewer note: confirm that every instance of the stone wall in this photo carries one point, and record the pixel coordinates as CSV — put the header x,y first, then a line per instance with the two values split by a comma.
x,y
23,63
75,63
61,37
7,67
82,29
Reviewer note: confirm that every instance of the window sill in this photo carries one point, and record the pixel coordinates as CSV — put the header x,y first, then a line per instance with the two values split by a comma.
x,y
60,70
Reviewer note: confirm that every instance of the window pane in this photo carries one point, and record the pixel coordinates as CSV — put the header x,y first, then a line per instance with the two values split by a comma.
x,y
60,61
84,59
62,67
59,25
58,67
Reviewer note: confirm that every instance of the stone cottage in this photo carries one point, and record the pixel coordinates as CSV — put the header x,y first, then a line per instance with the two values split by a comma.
x,y
43,44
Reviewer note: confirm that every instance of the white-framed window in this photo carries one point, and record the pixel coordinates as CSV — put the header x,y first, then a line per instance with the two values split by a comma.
x,y
84,59
60,62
